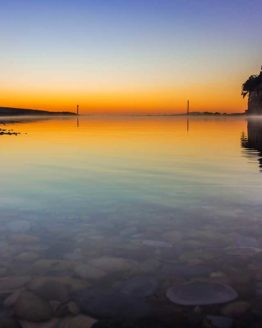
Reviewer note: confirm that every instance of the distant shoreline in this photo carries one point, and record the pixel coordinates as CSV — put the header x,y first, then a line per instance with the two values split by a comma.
x,y
194,114
10,111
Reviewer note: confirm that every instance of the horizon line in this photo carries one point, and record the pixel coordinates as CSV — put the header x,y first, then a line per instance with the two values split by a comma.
x,y
127,113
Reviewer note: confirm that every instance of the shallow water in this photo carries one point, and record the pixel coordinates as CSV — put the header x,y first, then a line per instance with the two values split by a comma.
x,y
129,207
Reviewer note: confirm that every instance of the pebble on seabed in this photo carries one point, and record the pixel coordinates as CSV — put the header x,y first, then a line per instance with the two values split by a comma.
x,y
31,307
201,293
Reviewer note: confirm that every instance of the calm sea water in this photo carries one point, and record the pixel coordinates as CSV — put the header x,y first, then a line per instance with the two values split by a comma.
x,y
104,200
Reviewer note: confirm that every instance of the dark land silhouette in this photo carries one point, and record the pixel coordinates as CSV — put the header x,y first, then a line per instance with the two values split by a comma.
x,y
10,111
253,88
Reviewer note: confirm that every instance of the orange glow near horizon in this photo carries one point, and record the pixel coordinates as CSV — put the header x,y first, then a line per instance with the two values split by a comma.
x,y
158,100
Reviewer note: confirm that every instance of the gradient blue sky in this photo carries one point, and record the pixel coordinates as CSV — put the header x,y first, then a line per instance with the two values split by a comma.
x,y
121,55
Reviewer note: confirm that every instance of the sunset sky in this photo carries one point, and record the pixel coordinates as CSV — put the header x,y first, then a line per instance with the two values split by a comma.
x,y
128,55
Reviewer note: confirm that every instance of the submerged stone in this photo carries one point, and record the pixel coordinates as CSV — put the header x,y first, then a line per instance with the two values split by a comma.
x,y
11,299
24,239
76,255
157,243
73,308
86,271
243,251
64,309
140,286
44,266
19,226
149,266
201,293
184,270
196,257
68,283
173,236
31,307
219,322
245,241
47,324
113,264
10,284
27,256
80,321
52,290
110,303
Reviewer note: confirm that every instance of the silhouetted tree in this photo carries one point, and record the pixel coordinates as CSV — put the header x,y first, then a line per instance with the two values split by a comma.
x,y
252,84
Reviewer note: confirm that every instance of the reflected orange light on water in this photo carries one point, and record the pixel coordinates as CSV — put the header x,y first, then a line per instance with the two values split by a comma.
x,y
127,154
126,135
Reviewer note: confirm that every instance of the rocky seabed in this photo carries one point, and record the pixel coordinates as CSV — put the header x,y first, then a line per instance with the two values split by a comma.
x,y
57,275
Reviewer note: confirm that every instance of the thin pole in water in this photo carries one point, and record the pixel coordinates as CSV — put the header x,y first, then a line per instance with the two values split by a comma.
x,y
187,113
77,110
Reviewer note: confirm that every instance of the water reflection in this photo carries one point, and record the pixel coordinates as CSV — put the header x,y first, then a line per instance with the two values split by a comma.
x,y
252,142
115,219
4,131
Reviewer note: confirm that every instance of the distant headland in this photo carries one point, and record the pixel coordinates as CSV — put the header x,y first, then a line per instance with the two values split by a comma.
x,y
10,111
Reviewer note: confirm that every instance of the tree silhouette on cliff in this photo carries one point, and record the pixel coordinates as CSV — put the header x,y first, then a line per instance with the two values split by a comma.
x,y
252,84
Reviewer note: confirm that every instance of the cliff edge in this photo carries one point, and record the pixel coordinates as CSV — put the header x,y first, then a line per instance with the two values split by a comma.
x,y
253,88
